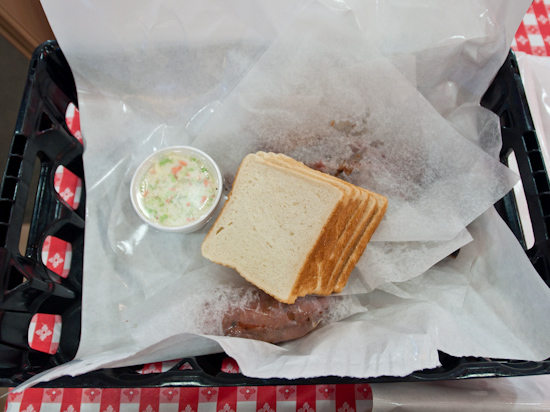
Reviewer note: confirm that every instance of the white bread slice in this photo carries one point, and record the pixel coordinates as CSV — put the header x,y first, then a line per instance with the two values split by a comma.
x,y
344,225
360,246
353,237
327,258
275,222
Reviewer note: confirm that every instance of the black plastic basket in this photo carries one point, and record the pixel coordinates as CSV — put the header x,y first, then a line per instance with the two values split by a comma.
x,y
42,138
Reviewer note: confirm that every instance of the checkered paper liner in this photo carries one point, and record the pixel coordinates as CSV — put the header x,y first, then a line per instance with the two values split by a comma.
x,y
533,35
45,329
57,255
72,120
68,186
301,398
44,333
159,367
229,365
66,183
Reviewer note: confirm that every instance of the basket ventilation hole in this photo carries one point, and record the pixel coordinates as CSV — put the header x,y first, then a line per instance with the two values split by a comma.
x,y
541,181
545,204
522,207
45,123
3,235
505,119
5,211
31,194
8,189
15,278
531,142
14,166
535,159
18,145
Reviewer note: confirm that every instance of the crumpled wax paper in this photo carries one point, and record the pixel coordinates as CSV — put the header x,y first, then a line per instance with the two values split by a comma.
x,y
473,304
357,112
150,74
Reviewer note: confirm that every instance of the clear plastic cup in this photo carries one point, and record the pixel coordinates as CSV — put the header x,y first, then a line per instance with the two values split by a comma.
x,y
176,189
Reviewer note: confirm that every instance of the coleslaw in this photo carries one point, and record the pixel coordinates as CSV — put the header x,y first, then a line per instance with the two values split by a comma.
x,y
177,189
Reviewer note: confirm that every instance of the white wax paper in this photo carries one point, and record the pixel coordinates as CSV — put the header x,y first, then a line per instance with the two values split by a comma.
x,y
522,393
357,106
151,74
474,304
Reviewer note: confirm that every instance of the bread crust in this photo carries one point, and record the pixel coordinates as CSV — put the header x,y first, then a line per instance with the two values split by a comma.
x,y
362,218
309,277
362,242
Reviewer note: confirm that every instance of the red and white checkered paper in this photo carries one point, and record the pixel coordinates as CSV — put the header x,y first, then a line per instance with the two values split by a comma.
x,y
301,398
44,333
229,365
66,183
533,35
72,119
57,255
68,186
159,367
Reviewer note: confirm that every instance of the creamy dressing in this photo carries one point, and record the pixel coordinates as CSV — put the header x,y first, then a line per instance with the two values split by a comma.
x,y
177,190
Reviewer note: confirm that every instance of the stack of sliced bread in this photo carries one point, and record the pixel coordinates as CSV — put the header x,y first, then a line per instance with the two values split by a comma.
x,y
291,230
